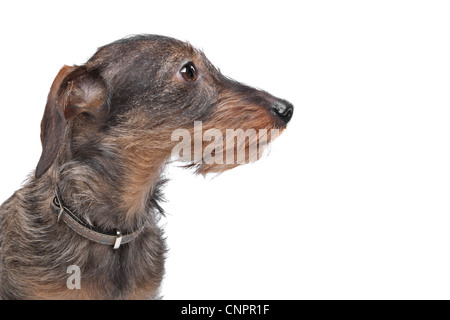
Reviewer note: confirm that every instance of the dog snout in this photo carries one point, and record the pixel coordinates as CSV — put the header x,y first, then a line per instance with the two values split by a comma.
x,y
283,110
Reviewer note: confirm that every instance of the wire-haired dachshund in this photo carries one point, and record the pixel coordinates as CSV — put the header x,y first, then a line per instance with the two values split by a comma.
x,y
85,224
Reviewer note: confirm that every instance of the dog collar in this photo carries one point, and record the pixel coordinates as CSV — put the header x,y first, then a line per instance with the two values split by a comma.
x,y
84,229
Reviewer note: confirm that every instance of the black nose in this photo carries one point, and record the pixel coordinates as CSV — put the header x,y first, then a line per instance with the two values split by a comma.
x,y
283,109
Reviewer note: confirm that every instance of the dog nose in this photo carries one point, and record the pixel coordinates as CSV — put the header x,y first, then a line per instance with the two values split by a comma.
x,y
283,109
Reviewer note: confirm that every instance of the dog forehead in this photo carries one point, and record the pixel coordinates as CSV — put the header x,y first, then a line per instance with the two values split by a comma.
x,y
144,53
143,47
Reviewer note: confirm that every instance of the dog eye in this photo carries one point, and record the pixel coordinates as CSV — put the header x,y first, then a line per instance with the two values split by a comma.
x,y
188,72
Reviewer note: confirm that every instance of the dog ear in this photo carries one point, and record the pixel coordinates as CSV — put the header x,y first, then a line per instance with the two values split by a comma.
x,y
75,90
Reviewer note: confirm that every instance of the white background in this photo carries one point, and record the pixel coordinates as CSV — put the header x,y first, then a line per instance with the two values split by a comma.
x,y
353,200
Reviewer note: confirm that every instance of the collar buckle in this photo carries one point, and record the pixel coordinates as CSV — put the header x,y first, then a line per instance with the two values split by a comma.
x,y
118,240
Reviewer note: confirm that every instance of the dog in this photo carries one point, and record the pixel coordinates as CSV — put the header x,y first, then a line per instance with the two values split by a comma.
x,y
93,201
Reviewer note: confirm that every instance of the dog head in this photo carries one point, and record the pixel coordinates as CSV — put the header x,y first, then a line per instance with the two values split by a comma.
x,y
135,92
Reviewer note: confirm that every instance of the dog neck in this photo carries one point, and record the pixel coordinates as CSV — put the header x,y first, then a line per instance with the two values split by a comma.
x,y
114,238
112,189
